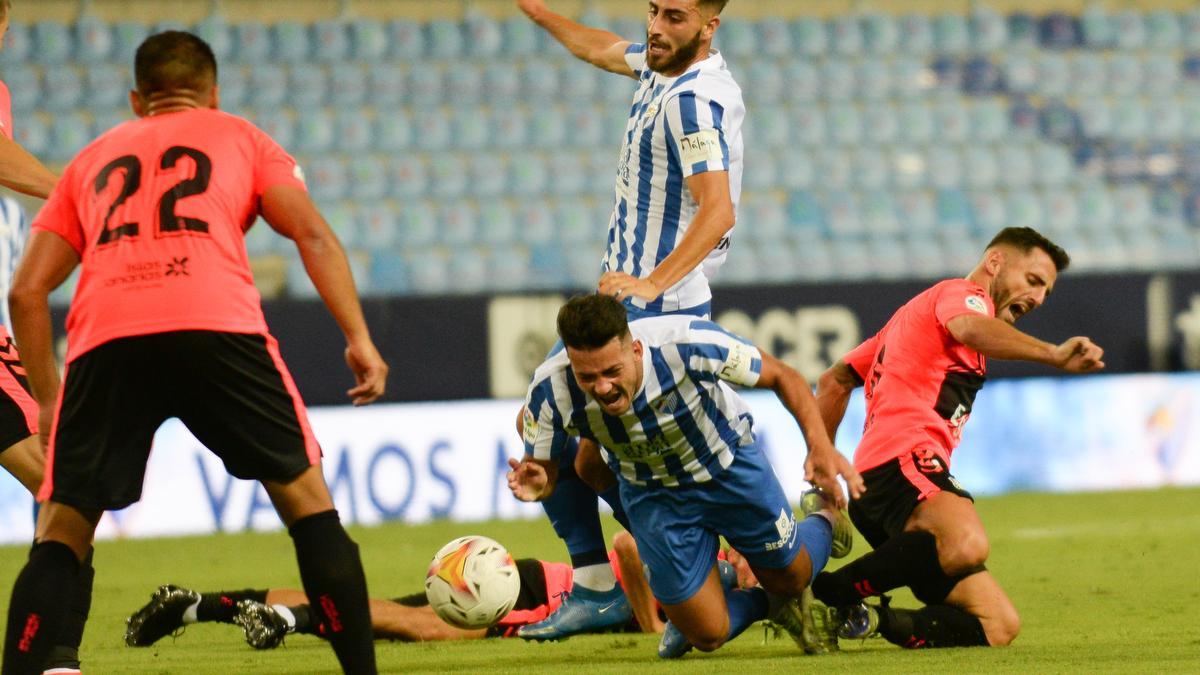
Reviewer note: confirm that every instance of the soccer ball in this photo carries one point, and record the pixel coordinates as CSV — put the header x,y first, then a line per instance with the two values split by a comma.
x,y
472,582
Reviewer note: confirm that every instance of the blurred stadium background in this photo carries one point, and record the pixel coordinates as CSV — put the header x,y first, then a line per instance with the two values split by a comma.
x,y
467,163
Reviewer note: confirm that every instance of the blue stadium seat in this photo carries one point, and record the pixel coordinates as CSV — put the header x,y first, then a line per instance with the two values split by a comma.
x,y
881,33
1023,32
582,82
1060,210
1129,30
842,214
127,35
447,175
1020,73
762,218
916,123
774,38
326,177
331,41
990,211
989,30
1191,118
548,127
916,211
432,132
429,271
18,43
952,121
262,240
809,36
529,176
418,224
761,174
1129,120
887,256
578,224
602,174
425,85
34,135
63,88
348,85
583,266
910,169
378,226
961,254
916,34
279,125
290,42
845,124
795,169
409,176
953,211
468,270
741,265
445,39
1161,74
1053,164
509,128
1189,22
368,40
508,268
368,177
1024,118
393,130
989,121
1095,118
53,43
878,212
537,222
924,256
489,175
980,168
802,82
459,223
548,267
389,273
846,35
1088,73
1096,208
1096,29
1053,75
539,81
849,256
568,175
267,86
872,169
814,260
951,34
764,82
521,36
776,263
1124,74
252,40
873,80
1058,31
315,131
1016,165
407,39
464,84
469,129
837,80
498,224
308,86
386,86
502,81
945,166
1134,212
24,87
1058,122
484,36
805,215
837,167
981,77
736,38
93,39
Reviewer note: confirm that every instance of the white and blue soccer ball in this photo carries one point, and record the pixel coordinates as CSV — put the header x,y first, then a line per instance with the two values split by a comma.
x,y
472,582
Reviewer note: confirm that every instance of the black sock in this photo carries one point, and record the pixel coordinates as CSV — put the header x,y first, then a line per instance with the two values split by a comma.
x,y
305,621
70,636
931,626
41,598
905,559
336,587
222,605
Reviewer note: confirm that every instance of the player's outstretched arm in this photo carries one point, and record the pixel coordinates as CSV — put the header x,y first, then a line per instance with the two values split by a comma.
x,y
531,480
291,212
22,172
997,339
47,262
833,395
598,47
713,220
824,463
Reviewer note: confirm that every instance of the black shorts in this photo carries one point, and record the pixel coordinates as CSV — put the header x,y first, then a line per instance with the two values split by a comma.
x,y
894,489
231,390
18,410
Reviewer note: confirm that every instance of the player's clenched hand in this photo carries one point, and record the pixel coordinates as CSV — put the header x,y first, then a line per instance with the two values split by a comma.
x,y
1079,355
527,479
370,372
531,7
621,285
823,466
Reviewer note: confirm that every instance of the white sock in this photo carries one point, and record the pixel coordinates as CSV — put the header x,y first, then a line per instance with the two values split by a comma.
x,y
189,614
598,577
287,616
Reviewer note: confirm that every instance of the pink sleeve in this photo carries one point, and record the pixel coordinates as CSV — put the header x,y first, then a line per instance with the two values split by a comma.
x,y
962,297
59,215
861,357
274,166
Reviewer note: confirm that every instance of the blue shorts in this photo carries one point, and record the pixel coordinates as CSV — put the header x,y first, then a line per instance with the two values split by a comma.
x,y
678,529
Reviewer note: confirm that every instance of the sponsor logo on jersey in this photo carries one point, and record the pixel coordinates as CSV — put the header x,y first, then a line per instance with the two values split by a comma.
x,y
785,525
702,146
529,427
667,404
637,450
738,364
977,304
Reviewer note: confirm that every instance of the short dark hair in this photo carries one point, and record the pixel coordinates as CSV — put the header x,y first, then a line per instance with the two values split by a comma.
x,y
1026,239
5,5
716,5
591,321
174,60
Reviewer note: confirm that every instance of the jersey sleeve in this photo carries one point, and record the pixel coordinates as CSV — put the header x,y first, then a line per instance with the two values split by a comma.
x,y
60,215
861,357
961,297
542,427
274,166
696,134
713,352
635,58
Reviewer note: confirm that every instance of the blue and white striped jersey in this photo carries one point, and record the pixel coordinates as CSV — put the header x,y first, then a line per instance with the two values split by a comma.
x,y
678,127
14,230
685,423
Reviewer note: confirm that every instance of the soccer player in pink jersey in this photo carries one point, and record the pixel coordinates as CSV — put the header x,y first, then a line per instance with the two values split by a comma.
x,y
920,374
166,322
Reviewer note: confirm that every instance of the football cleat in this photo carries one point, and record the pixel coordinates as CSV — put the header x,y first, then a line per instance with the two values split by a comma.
x,y
857,622
808,623
815,501
160,617
672,644
582,611
264,627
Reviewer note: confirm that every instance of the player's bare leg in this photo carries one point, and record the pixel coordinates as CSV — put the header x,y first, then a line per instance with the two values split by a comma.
x,y
389,620
703,618
591,469
25,461
330,566
641,599
962,543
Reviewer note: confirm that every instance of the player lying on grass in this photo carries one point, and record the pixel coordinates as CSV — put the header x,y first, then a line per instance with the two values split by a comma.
x,y
920,374
268,615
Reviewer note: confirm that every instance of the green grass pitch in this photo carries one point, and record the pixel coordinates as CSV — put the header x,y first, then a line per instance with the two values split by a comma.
x,y
1104,582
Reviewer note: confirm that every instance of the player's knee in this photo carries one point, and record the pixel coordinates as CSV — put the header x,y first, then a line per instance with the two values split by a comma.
x,y
1003,628
623,543
709,641
964,554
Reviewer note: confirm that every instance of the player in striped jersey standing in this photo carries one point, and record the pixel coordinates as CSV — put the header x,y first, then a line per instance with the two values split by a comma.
x,y
678,181
654,395
20,452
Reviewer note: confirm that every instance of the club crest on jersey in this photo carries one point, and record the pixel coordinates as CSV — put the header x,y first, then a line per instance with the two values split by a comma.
x,y
976,304
665,405
651,111
529,427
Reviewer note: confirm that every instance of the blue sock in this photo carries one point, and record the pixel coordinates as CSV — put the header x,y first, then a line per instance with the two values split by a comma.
x,y
816,536
612,496
574,513
746,605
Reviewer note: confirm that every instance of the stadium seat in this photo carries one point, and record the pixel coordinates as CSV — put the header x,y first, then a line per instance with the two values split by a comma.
x,y
24,87
981,77
468,270
1189,22
262,240
279,125
419,224
63,89
980,168
34,135
93,39
916,211
1020,73
308,86
1133,211
881,33
428,271
315,131
1190,108
878,212
583,82
252,42
845,35
805,215
951,34
393,131
1058,122
488,175
776,264
945,166
368,40
762,219
1129,120
952,121
888,258
348,85
953,211
464,84
548,127
469,129
326,178
102,121
539,81
53,43
989,121
1095,118
407,40
737,39
1058,31
764,82
583,267
577,224
1096,30
1023,32
127,35
267,86
447,175
498,224
837,167
1129,30
741,265
529,175
536,217
409,176
1088,74
331,41
813,260
1053,165
988,28
871,168
602,173
290,41
802,82
1053,75
916,34
910,78
484,36
368,177
508,269
1124,74
1016,165
1096,208
521,36
916,123
809,36
774,39
389,273
845,124
548,267
1060,210
837,80
842,214
909,167
377,225
502,81
432,132
426,83
445,39
873,80
18,44
459,223
1160,74
1024,118
924,257
386,85
848,256
567,174
340,215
